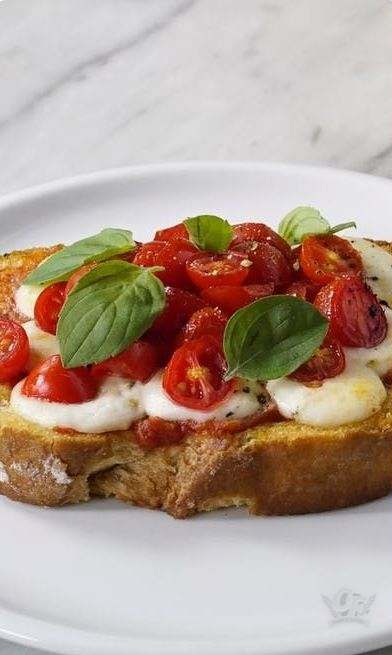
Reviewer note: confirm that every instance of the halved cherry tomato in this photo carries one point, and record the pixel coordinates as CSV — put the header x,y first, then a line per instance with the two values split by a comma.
x,y
323,258
178,231
14,350
180,305
356,317
209,320
48,307
194,376
172,256
303,289
51,381
261,232
327,362
138,362
214,270
75,277
268,263
229,299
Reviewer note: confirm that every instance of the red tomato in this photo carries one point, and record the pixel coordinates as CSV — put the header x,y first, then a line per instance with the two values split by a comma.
x,y
14,350
48,307
209,320
229,299
323,258
153,432
51,381
268,263
180,305
356,317
178,231
208,270
261,232
327,362
75,277
138,362
172,256
303,289
194,376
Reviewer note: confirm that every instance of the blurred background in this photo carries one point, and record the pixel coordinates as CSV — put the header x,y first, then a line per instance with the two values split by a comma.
x,y
106,83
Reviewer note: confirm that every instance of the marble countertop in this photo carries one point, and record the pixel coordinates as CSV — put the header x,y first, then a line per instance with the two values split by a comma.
x,y
106,83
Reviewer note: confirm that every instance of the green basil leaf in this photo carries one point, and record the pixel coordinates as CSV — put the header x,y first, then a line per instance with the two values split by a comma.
x,y
209,232
109,308
272,337
60,266
301,222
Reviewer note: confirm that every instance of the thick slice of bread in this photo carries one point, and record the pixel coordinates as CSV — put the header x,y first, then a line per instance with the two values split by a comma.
x,y
276,468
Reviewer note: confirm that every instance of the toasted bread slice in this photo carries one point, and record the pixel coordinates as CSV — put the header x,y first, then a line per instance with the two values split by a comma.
x,y
276,468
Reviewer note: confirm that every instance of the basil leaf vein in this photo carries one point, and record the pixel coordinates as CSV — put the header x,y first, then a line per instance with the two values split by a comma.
x,y
60,266
304,221
272,337
109,308
210,233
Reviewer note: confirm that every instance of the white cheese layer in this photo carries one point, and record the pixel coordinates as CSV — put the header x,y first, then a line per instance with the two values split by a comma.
x,y
115,408
25,299
377,263
354,395
157,403
42,344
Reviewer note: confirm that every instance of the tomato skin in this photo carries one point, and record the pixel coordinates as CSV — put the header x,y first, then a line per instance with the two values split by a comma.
x,y
194,375
325,257
357,319
51,381
269,265
229,299
303,289
138,362
75,277
174,232
208,270
180,305
172,256
14,350
209,320
327,362
48,307
261,232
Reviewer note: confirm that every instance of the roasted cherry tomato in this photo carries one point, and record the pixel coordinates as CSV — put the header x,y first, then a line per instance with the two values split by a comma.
x,y
269,265
209,270
327,362
194,376
138,362
172,256
51,381
303,289
356,317
75,277
180,305
14,350
209,320
229,299
178,231
261,232
153,431
323,258
48,307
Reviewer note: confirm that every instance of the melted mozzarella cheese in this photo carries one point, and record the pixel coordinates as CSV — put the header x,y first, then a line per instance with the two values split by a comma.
x,y
378,358
377,263
157,403
25,299
42,344
354,395
115,408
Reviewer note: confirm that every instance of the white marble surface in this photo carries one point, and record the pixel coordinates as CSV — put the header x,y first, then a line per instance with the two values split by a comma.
x,y
94,84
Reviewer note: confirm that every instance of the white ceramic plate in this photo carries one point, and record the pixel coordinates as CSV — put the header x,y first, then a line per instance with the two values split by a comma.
x,y
104,578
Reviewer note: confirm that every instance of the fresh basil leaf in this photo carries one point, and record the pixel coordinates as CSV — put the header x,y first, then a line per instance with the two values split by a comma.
x,y
272,337
209,232
59,266
301,222
109,308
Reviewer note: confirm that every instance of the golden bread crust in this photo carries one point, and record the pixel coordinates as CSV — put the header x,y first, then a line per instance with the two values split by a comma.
x,y
277,468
